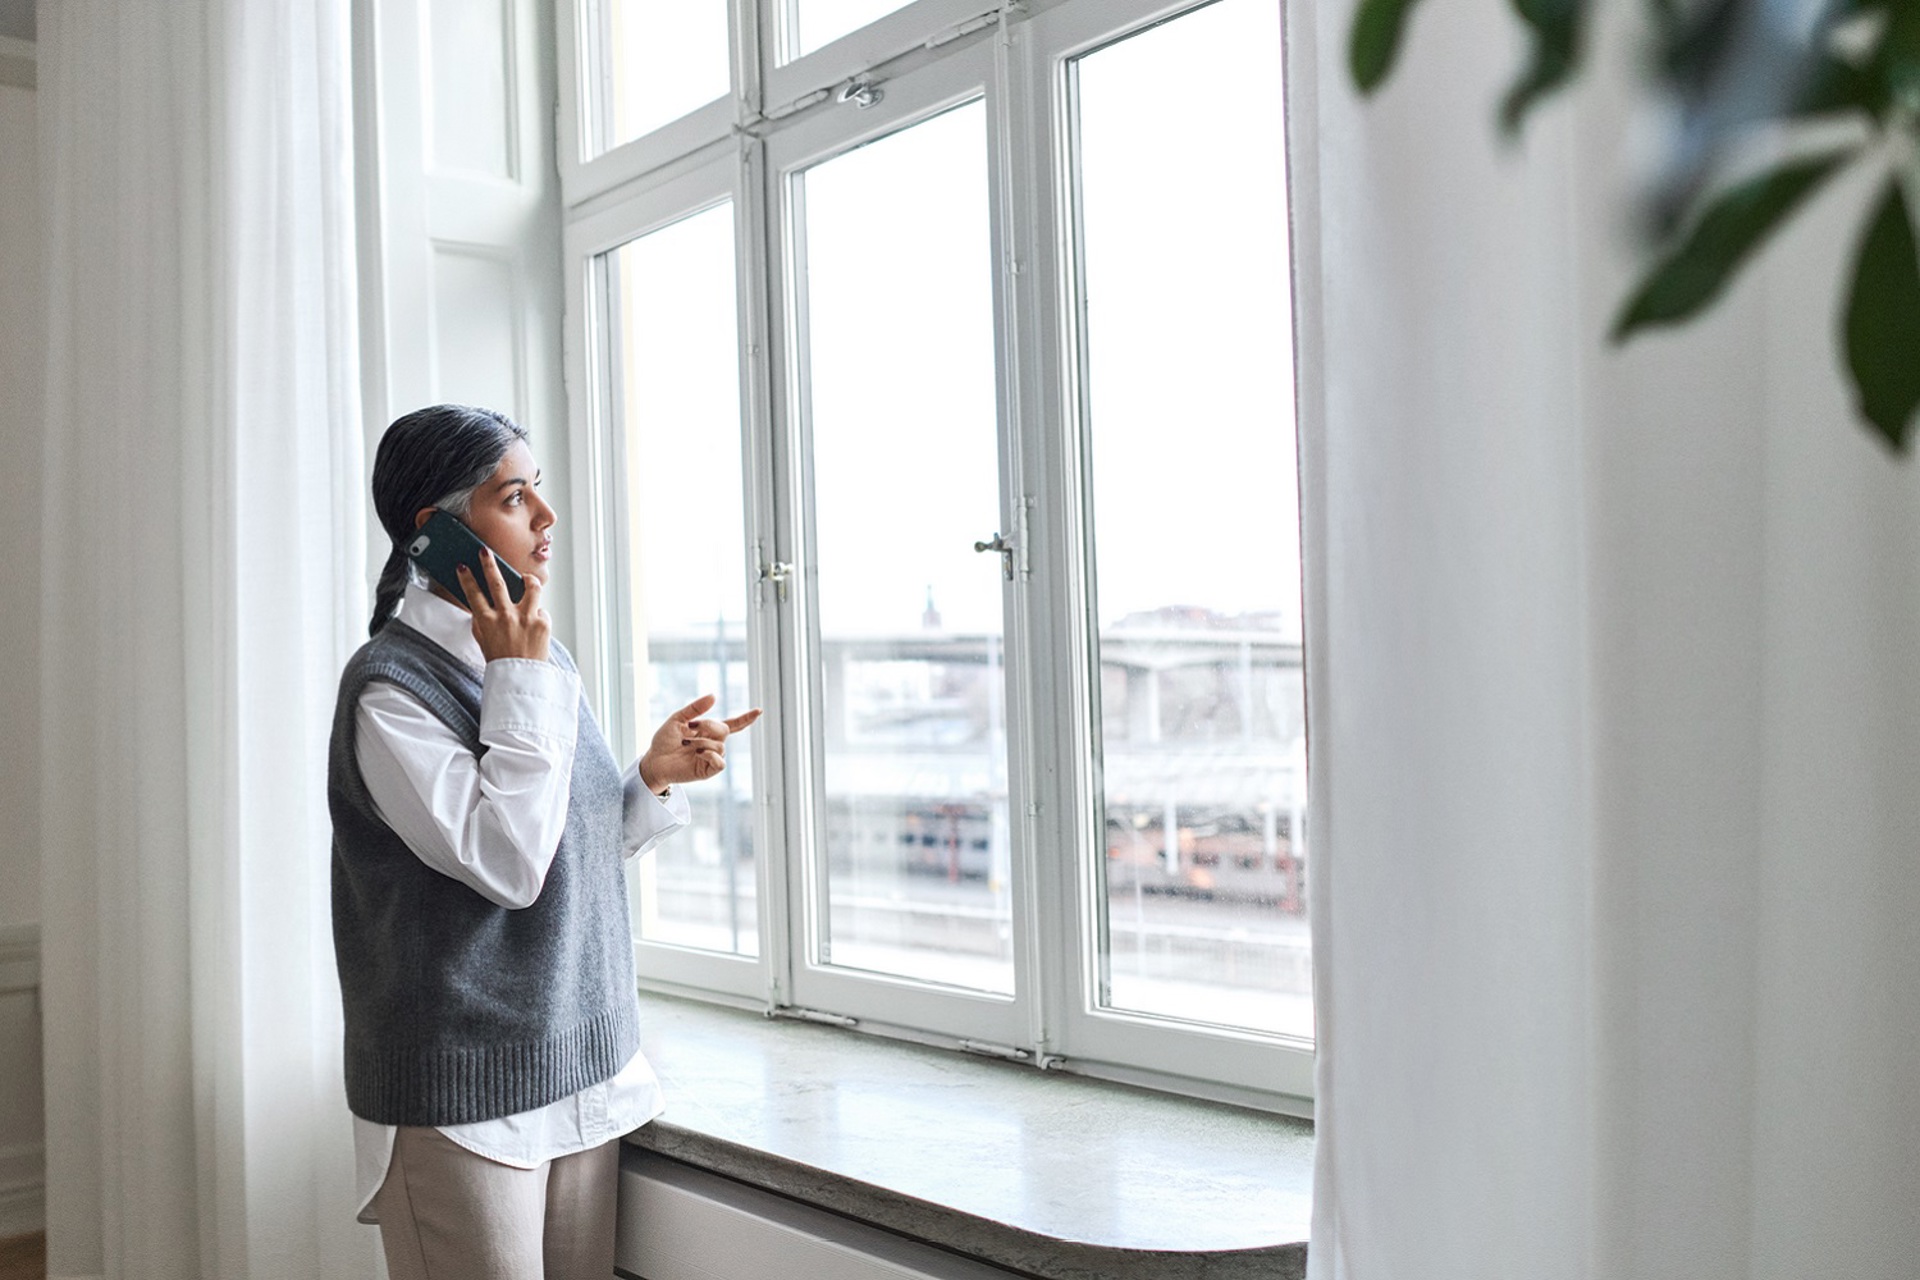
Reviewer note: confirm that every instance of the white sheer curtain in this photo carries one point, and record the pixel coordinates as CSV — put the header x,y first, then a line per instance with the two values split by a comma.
x,y
204,562
1616,716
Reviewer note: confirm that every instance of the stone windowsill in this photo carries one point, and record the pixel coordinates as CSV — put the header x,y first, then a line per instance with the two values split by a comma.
x,y
1054,1175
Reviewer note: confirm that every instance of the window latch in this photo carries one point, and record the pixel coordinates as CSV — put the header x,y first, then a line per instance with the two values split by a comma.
x,y
778,573
1000,544
861,92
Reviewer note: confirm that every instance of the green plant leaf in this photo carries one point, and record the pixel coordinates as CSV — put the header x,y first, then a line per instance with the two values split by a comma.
x,y
1841,10
1375,39
1696,40
1690,277
1883,321
1832,84
1555,26
1899,53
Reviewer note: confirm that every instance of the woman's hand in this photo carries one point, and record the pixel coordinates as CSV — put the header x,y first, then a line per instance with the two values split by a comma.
x,y
686,748
502,628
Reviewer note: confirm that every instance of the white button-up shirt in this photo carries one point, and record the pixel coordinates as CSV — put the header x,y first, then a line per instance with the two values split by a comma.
x,y
493,823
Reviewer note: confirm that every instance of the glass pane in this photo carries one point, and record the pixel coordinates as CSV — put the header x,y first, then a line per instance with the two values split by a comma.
x,y
661,59
678,396
899,332
813,23
1196,522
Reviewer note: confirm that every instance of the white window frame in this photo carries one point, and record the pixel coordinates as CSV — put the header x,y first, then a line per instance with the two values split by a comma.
x,y
589,168
601,519
909,27
926,56
1115,1043
899,1003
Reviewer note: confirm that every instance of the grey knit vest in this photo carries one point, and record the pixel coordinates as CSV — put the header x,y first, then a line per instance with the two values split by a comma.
x,y
457,1009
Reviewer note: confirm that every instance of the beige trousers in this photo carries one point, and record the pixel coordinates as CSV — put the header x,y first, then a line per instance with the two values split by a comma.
x,y
448,1214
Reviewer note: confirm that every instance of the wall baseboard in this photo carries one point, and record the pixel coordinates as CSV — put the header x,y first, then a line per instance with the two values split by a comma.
x,y
19,958
23,1212
23,1166
23,1190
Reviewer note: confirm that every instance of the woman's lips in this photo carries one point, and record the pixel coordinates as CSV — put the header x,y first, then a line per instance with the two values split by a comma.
x,y
544,551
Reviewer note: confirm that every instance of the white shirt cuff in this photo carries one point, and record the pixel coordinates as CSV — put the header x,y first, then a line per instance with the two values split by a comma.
x,y
651,818
528,696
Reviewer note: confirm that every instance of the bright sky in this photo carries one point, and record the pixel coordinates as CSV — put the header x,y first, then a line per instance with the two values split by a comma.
x,y
819,22
1190,382
899,294
672,54
683,405
1189,325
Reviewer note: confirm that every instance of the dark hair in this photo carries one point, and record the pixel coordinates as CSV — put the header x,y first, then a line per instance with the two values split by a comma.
x,y
432,457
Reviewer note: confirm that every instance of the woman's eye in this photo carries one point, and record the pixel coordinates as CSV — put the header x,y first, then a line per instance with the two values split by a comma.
x,y
516,498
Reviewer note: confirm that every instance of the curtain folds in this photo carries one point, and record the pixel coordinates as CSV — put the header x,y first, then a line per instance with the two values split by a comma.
x,y
203,569
1615,712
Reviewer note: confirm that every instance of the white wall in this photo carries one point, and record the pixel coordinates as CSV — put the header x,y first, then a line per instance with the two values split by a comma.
x,y
22,350
460,222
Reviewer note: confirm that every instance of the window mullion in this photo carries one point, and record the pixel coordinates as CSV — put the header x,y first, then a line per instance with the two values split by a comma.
x,y
747,40
762,456
1015,316
1058,660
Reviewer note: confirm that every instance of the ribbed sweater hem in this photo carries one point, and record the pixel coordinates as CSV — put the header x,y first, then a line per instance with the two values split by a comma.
x,y
464,1084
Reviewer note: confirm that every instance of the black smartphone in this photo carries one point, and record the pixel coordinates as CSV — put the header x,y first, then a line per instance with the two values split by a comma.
x,y
443,543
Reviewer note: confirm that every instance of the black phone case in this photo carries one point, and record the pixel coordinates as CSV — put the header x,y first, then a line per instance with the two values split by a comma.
x,y
443,543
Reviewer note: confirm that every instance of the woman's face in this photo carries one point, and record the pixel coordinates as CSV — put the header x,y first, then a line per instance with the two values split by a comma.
x,y
508,514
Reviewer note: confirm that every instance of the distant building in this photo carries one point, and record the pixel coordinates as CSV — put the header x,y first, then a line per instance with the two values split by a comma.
x,y
1202,732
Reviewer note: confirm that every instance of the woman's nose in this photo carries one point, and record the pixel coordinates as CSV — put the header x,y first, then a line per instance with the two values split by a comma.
x,y
543,515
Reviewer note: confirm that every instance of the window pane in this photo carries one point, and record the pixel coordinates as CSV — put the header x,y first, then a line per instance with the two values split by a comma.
x,y
662,59
899,332
1196,522
813,23
678,395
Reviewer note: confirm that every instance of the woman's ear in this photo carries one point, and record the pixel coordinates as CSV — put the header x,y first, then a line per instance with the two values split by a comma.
x,y
420,516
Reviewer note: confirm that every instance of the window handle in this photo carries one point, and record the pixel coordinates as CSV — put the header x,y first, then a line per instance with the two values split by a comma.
x,y
1005,548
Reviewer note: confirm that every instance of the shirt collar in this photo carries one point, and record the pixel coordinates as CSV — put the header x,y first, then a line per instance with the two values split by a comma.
x,y
443,622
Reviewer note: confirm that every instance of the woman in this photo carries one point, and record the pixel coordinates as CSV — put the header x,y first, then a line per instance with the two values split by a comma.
x,y
479,905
